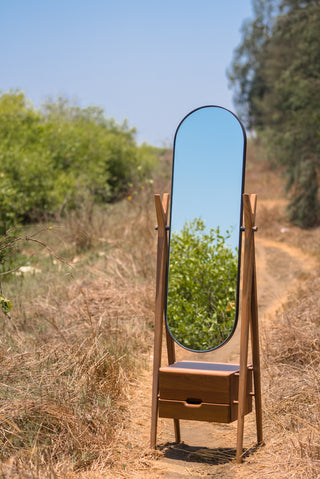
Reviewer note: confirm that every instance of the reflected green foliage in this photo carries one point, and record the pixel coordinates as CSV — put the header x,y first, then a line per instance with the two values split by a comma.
x,y
202,286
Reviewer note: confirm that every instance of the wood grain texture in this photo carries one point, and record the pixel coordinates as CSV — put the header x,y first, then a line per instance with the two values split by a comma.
x,y
254,323
208,391
220,413
159,305
161,277
203,386
249,213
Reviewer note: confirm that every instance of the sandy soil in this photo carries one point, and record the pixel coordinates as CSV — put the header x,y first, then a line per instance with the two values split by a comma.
x,y
208,449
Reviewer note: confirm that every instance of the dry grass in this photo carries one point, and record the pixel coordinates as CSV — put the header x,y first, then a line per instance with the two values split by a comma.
x,y
74,343
290,353
79,337
293,380
291,392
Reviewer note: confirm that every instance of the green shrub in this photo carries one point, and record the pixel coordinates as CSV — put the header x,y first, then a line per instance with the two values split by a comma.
x,y
54,159
202,286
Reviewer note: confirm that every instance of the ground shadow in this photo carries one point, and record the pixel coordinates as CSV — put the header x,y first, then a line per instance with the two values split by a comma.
x,y
219,455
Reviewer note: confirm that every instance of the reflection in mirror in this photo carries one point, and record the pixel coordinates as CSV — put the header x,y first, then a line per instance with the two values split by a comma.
x,y
205,220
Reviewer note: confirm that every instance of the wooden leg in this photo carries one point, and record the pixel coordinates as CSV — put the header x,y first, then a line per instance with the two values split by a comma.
x,y
248,262
176,425
154,417
256,359
171,360
159,307
155,385
242,386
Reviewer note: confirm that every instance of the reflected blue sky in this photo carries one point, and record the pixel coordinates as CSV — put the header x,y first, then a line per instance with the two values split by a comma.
x,y
208,162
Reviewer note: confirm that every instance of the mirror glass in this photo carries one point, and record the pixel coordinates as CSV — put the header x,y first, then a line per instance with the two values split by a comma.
x,y
205,221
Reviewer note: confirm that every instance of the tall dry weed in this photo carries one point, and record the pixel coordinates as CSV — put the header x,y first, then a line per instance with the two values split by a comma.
x,y
291,356
290,347
74,343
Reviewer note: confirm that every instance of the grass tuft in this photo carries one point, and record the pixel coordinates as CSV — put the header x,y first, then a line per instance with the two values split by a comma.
x,y
75,341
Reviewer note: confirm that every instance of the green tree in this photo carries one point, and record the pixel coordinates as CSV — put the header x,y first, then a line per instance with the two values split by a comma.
x,y
246,75
62,156
26,170
276,76
202,286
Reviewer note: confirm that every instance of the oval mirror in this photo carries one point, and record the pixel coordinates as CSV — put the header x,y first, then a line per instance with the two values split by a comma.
x,y
205,220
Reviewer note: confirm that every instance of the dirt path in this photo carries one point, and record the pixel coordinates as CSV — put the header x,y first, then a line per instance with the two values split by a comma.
x,y
280,269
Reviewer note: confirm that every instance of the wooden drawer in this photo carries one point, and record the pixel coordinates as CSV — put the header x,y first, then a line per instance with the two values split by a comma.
x,y
201,391
223,413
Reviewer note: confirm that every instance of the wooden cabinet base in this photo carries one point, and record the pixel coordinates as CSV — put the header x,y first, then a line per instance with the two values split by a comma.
x,y
202,391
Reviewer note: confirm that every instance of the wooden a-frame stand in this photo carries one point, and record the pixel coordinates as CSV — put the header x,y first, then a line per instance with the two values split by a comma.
x,y
223,392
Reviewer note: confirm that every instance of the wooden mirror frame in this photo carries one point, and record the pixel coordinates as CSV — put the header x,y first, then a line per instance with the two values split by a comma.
x,y
241,396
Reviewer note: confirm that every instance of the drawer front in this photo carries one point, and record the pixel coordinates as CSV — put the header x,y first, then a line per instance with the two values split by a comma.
x,y
195,412
221,413
205,387
182,386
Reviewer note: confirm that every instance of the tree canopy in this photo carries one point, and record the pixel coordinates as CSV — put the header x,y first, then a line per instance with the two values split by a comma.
x,y
275,74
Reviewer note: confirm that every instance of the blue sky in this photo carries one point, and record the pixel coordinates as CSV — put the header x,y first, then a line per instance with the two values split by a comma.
x,y
148,61
208,171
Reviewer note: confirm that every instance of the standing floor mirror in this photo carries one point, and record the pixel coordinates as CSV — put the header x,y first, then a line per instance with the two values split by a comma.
x,y
205,262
